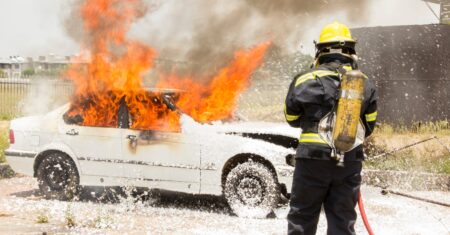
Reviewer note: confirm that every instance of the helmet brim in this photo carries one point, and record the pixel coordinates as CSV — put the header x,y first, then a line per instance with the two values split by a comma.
x,y
336,44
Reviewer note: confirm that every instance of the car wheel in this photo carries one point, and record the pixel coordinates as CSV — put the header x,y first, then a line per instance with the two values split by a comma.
x,y
58,177
251,190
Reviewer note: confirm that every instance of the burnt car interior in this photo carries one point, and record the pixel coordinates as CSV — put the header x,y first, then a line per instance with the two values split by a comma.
x,y
123,114
124,118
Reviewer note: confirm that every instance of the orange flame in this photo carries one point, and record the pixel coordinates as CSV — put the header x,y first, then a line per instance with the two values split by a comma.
x,y
113,76
115,70
217,100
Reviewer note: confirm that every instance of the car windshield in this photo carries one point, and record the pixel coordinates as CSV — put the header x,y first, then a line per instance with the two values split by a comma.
x,y
141,110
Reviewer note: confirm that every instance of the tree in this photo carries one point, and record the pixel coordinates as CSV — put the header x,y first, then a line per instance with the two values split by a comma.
x,y
28,72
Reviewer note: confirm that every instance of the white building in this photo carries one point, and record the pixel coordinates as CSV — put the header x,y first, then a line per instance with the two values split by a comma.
x,y
12,67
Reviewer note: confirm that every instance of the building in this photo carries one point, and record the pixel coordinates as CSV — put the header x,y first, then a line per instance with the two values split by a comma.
x,y
12,67
17,67
50,64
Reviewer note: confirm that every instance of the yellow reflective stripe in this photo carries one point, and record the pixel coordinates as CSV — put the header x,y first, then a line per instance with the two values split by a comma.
x,y
348,67
323,73
311,138
371,116
314,75
304,78
290,118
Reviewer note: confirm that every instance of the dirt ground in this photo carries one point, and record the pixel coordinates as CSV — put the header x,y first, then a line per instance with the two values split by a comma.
x,y
4,125
22,208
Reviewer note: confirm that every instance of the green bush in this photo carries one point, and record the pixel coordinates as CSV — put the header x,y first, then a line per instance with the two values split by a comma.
x,y
6,116
3,145
28,72
4,142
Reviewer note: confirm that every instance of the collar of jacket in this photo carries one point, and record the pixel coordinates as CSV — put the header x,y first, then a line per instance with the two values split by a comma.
x,y
333,66
333,61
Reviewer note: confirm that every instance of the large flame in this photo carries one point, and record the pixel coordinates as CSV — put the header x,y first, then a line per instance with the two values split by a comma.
x,y
114,75
217,100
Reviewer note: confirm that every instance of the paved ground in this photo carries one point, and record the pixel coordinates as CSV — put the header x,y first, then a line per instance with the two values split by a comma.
x,y
21,207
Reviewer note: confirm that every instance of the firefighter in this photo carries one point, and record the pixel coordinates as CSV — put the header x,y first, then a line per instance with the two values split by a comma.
x,y
318,179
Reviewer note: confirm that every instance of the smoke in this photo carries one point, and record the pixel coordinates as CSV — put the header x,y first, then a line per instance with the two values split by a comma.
x,y
43,95
205,33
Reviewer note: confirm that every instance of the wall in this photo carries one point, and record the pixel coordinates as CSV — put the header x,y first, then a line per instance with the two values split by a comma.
x,y
411,68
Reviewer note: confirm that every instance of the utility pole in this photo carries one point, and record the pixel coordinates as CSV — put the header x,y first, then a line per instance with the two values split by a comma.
x,y
444,17
445,12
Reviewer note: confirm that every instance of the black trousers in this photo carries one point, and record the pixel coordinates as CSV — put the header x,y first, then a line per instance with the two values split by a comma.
x,y
321,182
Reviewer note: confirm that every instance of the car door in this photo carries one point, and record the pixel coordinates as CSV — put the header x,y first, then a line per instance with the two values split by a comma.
x,y
167,160
97,149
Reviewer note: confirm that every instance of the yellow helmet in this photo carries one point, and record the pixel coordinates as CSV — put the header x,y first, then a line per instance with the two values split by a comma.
x,y
335,40
335,33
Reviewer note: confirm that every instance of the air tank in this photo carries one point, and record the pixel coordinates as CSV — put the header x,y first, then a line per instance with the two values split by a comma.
x,y
348,110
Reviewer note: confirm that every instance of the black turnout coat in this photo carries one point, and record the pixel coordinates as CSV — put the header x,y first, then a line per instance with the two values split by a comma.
x,y
314,94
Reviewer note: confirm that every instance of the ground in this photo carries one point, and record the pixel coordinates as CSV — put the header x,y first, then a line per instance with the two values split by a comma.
x,y
24,211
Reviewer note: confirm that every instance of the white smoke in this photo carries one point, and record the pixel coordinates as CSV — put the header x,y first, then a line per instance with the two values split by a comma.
x,y
206,33
44,95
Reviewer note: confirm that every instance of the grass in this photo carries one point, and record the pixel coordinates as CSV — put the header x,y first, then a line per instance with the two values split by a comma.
x,y
432,156
439,128
3,139
102,222
42,218
9,102
69,217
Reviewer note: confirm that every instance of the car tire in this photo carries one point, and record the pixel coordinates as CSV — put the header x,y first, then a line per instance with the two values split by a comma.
x,y
58,177
251,190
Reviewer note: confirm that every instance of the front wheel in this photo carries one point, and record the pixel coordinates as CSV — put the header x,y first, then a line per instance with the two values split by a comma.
x,y
58,177
252,190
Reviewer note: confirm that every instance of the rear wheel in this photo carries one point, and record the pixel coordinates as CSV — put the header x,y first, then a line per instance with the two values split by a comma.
x,y
58,177
252,190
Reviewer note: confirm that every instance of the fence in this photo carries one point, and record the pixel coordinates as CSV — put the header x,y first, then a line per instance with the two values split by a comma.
x,y
19,96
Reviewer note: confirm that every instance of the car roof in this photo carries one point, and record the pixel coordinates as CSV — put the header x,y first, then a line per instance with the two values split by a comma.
x,y
163,90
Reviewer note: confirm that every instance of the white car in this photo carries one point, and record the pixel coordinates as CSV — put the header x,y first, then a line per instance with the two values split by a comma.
x,y
246,162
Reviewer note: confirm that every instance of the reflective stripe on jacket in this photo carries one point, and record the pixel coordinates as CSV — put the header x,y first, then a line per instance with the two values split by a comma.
x,y
314,94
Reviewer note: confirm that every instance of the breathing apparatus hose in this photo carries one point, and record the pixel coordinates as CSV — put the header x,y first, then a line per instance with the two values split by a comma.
x,y
363,214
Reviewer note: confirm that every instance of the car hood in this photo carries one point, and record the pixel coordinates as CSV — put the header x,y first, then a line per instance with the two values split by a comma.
x,y
276,133
270,128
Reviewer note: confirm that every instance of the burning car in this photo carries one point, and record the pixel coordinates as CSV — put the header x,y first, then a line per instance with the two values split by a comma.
x,y
246,162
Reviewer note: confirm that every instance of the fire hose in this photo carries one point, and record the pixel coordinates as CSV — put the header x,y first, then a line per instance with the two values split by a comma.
x,y
363,214
386,191
402,148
